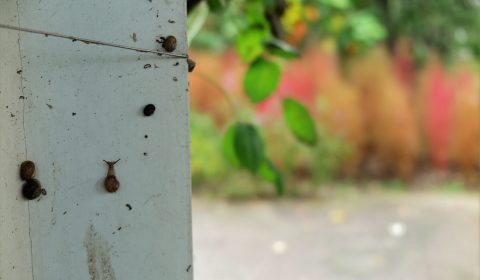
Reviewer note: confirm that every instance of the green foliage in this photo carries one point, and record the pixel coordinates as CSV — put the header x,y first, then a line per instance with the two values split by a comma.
x,y
282,49
243,147
261,80
228,147
453,187
250,43
299,121
216,5
449,27
206,162
329,155
255,28
270,173
248,146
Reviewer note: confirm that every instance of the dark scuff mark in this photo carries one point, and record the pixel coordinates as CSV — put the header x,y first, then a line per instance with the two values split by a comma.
x,y
129,207
98,256
134,37
188,268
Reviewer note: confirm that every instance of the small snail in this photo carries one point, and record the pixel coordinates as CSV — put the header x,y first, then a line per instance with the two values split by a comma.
x,y
169,43
148,110
191,64
27,170
111,183
32,189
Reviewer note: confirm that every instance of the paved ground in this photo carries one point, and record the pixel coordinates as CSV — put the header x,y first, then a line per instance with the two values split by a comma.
x,y
376,236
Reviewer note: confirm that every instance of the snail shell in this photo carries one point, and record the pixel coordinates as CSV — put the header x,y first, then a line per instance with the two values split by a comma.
x,y
111,183
148,110
27,170
170,43
191,65
32,189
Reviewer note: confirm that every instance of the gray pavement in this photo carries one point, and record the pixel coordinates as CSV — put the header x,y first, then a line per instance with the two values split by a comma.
x,y
362,236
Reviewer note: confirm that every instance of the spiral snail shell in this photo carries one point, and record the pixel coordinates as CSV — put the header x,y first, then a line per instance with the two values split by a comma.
x,y
27,170
32,189
111,183
169,43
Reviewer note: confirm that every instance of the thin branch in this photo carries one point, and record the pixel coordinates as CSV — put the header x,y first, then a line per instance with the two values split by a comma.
x,y
224,92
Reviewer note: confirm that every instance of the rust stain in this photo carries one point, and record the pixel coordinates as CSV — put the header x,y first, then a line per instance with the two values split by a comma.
x,y
98,256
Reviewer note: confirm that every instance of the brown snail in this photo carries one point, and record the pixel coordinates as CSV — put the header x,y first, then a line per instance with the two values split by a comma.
x,y
27,170
169,43
111,183
191,64
32,189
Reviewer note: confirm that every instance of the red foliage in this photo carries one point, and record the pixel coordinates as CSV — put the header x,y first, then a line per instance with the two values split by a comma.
x,y
438,113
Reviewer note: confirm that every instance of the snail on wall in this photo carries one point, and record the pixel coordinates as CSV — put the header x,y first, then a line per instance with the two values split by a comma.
x,y
111,183
32,188
27,170
169,43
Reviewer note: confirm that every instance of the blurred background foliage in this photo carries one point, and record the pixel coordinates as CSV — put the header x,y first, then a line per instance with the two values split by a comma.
x,y
302,93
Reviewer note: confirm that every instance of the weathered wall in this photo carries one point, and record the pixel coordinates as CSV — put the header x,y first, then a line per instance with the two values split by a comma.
x,y
83,104
15,257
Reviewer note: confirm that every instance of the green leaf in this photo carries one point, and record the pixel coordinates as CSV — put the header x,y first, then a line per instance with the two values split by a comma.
x,y
195,21
228,147
216,5
366,28
248,146
249,43
282,49
270,173
299,121
261,80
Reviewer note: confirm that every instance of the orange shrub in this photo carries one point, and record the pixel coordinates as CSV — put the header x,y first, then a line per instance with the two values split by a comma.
x,y
390,132
465,146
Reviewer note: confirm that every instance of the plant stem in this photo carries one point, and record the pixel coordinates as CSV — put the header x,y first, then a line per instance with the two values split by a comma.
x,y
222,90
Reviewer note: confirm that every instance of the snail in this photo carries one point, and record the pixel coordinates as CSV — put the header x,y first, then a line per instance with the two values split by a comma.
x,y
111,183
148,110
169,43
191,65
32,189
27,170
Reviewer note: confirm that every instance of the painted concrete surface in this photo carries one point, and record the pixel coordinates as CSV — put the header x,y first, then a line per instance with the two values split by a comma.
x,y
365,237
72,105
